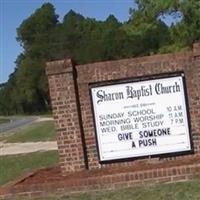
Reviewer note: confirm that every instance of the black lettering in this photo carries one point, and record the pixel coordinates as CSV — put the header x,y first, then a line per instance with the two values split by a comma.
x,y
147,142
125,136
133,144
161,89
103,96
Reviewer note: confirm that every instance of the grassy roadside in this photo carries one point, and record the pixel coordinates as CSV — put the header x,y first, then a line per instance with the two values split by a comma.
x,y
40,131
4,120
13,166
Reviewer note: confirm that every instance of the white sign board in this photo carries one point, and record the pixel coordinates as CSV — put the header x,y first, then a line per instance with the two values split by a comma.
x,y
141,118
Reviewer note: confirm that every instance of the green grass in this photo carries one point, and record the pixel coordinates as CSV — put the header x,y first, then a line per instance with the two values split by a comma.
x,y
41,131
175,191
13,166
4,120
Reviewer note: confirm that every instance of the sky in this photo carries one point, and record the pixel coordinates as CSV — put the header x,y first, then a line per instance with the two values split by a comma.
x,y
13,12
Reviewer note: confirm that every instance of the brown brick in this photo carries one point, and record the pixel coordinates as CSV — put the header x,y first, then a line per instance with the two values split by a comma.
x,y
63,87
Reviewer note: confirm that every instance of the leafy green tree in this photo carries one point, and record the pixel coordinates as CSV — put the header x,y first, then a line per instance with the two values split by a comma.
x,y
34,34
146,21
187,31
145,26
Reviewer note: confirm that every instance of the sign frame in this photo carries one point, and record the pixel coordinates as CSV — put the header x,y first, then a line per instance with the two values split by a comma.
x,y
135,80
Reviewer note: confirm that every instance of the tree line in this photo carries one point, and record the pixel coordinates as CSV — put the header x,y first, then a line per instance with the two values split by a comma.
x,y
85,40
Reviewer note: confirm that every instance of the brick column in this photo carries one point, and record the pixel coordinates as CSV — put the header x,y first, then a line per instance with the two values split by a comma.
x,y
66,113
196,50
195,98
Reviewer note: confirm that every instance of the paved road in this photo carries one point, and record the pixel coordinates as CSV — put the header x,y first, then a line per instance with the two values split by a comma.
x,y
16,123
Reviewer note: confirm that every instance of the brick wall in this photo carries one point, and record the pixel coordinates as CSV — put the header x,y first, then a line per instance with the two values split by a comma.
x,y
69,90
66,116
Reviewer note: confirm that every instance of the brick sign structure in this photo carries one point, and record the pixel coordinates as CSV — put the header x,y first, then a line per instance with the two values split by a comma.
x,y
70,88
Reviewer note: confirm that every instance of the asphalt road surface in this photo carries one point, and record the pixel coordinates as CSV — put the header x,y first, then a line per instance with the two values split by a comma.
x,y
16,123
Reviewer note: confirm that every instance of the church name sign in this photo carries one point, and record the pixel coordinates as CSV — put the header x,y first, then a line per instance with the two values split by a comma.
x,y
141,117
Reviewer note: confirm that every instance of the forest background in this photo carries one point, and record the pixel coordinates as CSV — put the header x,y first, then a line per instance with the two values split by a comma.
x,y
85,40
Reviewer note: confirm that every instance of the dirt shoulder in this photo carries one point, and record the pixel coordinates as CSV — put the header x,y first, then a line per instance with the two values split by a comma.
x,y
28,147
